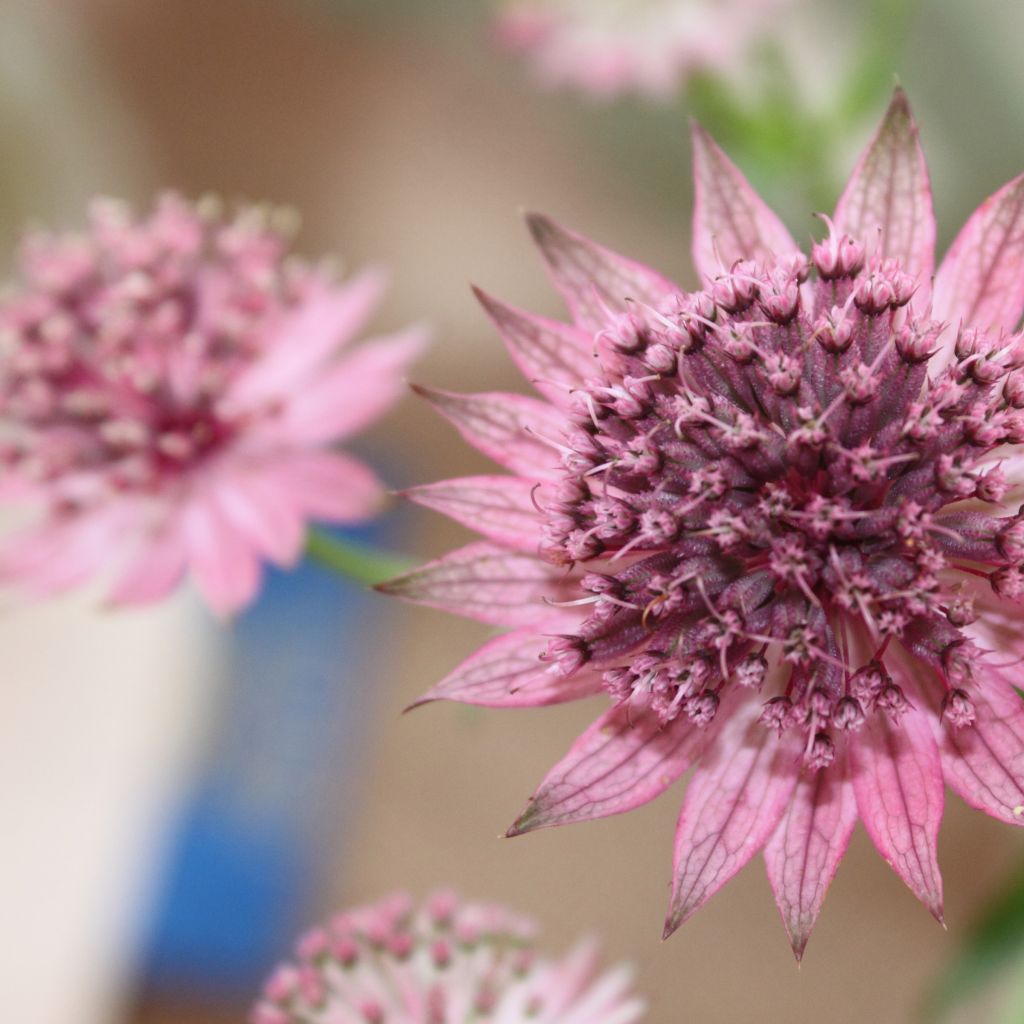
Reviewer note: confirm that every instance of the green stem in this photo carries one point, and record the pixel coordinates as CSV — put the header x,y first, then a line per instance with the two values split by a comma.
x,y
360,562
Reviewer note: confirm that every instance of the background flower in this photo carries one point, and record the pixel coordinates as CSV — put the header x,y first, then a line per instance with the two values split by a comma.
x,y
172,385
396,963
608,47
762,516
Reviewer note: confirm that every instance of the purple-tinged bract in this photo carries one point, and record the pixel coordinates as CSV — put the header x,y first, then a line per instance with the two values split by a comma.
x,y
775,521
445,962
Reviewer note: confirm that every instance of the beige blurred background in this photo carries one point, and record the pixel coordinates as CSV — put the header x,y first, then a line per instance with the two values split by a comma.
x,y
402,136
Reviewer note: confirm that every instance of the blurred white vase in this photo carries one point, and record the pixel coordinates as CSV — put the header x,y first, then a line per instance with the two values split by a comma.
x,y
100,713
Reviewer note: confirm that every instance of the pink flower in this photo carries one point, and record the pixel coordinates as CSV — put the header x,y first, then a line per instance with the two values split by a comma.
x,y
774,519
172,385
445,962
651,47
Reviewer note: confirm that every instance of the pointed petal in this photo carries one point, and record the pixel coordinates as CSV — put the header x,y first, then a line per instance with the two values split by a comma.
x,y
329,485
732,805
897,779
889,192
609,999
625,759
576,993
484,582
497,507
805,849
730,220
222,563
263,514
592,278
505,427
554,357
984,763
981,279
57,555
354,392
155,570
507,673
309,336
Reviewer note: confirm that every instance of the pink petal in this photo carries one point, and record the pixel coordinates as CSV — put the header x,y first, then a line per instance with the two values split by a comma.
x,y
264,514
310,335
593,279
506,428
484,582
889,193
980,281
734,802
804,851
625,759
730,220
58,555
353,392
325,485
155,570
897,779
984,763
554,357
497,507
222,563
507,673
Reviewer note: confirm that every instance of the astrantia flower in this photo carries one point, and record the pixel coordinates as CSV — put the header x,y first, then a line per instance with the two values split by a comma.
x,y
446,962
170,386
608,47
774,519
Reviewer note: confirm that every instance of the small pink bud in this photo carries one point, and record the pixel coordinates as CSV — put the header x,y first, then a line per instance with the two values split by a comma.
x,y
849,714
567,654
1008,583
777,713
837,256
834,331
958,709
917,342
893,701
751,671
821,752
702,708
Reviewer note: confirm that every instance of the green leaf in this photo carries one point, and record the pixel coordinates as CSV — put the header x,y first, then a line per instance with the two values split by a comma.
x,y
995,941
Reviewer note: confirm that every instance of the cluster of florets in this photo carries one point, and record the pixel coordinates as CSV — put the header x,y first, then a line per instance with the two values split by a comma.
x,y
119,344
760,478
446,962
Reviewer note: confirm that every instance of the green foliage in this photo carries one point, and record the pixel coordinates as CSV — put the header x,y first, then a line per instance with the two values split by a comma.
x,y
994,945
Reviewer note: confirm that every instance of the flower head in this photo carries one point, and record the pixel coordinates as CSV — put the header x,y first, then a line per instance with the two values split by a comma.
x,y
170,385
608,47
775,519
445,962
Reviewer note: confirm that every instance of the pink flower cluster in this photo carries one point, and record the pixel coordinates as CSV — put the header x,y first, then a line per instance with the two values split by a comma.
x,y
651,47
171,385
445,962
775,520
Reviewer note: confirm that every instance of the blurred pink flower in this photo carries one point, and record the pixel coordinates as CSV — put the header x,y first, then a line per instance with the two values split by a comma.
x,y
171,386
651,47
447,961
770,518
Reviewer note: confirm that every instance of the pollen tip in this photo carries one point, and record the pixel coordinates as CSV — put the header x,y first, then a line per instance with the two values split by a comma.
x,y
528,821
419,701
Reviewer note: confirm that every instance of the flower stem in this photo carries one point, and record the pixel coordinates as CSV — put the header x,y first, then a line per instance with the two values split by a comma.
x,y
360,562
